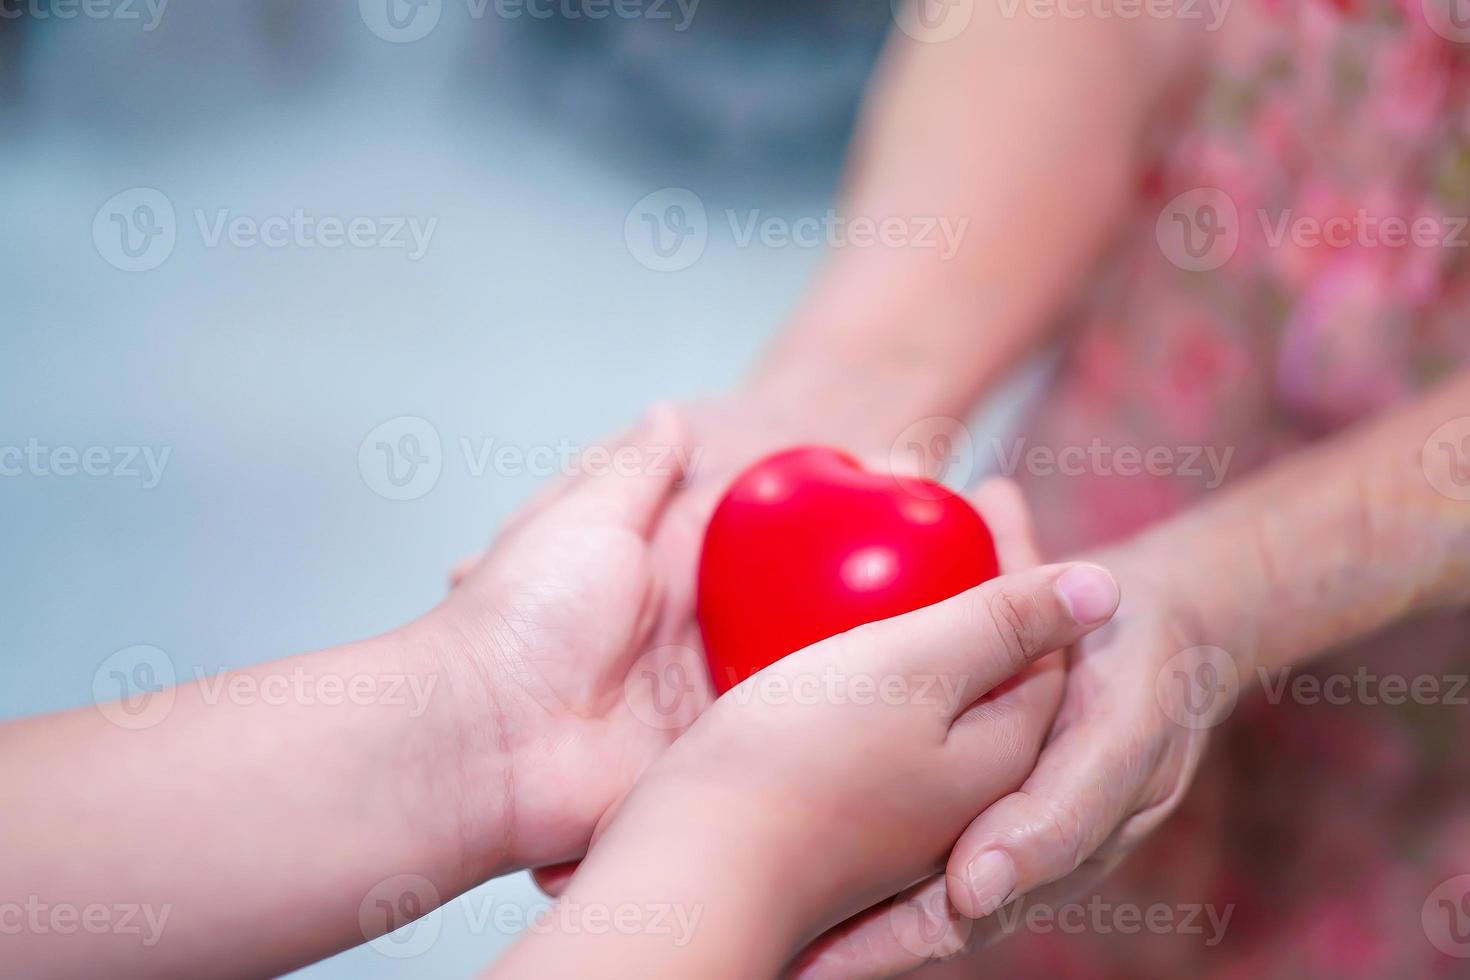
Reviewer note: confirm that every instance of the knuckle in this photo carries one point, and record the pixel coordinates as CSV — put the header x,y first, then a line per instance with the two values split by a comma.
x,y
1012,617
1064,831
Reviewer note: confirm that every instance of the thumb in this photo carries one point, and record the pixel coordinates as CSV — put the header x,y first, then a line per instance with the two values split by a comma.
x,y
1078,795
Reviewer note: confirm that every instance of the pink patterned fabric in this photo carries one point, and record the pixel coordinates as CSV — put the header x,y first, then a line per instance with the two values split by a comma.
x,y
1326,826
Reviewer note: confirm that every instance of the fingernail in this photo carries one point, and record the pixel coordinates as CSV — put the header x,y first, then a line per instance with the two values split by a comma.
x,y
992,878
1089,592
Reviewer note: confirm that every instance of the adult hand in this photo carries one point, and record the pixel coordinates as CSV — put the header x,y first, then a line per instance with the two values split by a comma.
x,y
1121,754
1010,623
549,629
866,794
718,437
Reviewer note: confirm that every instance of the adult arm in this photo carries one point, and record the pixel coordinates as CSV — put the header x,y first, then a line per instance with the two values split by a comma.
x,y
1332,544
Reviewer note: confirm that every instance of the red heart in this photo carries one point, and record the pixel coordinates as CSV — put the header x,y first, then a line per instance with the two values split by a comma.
x,y
807,544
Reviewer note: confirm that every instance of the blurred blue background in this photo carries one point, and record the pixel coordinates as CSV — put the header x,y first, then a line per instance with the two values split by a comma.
x,y
535,315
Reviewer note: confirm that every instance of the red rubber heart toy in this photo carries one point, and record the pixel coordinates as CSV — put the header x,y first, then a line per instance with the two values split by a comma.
x,y
807,544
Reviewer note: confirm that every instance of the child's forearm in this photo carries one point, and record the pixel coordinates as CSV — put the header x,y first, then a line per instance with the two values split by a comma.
x,y
700,920
682,892
1014,144
249,820
1335,542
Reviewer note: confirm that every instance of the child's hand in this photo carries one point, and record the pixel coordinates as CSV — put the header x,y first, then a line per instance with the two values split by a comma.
x,y
720,436
1140,699
314,802
838,776
545,629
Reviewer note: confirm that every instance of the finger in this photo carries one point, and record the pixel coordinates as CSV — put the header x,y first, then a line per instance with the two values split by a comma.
x,y
554,878
1072,802
548,495
628,483
993,928
991,632
551,493
916,927
919,927
542,500
1002,505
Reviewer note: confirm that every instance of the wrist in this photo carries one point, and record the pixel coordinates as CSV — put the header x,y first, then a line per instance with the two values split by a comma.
x,y
704,849
533,773
1160,574
1206,583
878,346
468,763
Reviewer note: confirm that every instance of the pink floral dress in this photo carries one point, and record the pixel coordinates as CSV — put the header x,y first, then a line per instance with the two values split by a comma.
x,y
1324,827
